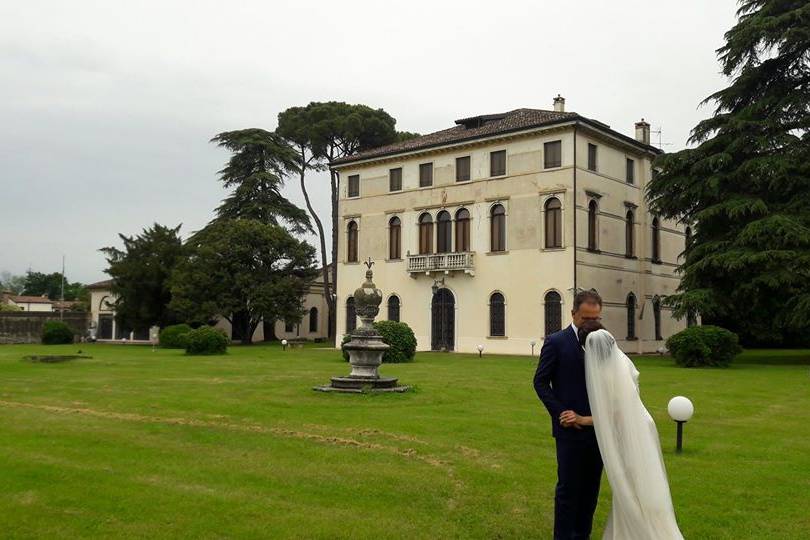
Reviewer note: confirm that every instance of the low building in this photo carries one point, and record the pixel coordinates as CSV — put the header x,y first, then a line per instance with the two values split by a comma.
x,y
482,232
313,326
103,325
28,303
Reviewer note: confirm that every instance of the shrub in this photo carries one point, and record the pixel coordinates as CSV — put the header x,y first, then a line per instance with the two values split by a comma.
x,y
206,340
398,336
174,336
704,346
56,333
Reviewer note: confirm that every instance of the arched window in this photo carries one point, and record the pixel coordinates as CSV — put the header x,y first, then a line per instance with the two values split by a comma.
x,y
553,312
394,238
631,316
462,230
289,326
351,233
425,234
553,223
497,240
393,308
313,319
351,315
444,229
656,240
629,234
656,303
497,315
593,211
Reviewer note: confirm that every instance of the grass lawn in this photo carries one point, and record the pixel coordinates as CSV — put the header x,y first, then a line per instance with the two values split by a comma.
x,y
136,443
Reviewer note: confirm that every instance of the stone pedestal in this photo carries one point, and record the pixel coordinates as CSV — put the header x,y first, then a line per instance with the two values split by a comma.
x,y
366,348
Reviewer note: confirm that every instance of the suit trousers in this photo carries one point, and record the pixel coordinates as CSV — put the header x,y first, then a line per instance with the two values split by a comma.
x,y
579,472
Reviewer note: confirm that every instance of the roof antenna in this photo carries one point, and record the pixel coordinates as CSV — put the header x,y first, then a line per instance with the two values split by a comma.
x,y
659,133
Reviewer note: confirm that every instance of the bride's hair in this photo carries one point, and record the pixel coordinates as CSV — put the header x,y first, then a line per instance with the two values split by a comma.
x,y
586,328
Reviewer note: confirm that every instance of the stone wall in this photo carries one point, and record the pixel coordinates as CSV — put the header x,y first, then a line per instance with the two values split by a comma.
x,y
26,327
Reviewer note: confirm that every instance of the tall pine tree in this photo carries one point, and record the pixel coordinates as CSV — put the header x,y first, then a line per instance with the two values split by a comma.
x,y
745,187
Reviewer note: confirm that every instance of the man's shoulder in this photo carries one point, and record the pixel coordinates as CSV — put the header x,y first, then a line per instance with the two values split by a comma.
x,y
556,337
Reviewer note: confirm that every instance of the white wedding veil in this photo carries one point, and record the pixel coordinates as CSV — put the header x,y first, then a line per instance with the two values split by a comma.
x,y
628,441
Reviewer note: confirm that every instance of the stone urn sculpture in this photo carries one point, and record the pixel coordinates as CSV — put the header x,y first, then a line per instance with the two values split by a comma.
x,y
366,347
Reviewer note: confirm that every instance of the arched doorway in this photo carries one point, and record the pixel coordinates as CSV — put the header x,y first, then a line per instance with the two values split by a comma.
x,y
443,321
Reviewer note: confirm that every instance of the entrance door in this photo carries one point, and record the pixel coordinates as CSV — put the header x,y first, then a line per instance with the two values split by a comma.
x,y
105,327
443,321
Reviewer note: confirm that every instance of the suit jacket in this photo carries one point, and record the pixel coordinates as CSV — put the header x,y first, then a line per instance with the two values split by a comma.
x,y
560,383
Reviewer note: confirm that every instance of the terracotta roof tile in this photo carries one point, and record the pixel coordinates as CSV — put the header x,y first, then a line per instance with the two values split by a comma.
x,y
468,128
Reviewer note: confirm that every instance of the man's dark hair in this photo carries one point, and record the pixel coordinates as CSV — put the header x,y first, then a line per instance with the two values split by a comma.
x,y
586,328
587,297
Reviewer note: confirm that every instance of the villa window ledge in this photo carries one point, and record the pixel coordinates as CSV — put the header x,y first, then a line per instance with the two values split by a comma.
x,y
393,260
561,248
497,337
504,252
594,250
633,257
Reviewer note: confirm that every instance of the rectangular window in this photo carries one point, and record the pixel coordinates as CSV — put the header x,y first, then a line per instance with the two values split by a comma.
x,y
591,157
552,154
354,185
631,172
497,163
395,179
462,169
425,174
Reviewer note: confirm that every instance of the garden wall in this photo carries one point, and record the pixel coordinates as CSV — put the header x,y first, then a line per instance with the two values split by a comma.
x,y
26,326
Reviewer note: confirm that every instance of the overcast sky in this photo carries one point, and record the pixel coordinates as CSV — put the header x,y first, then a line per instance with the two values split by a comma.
x,y
106,108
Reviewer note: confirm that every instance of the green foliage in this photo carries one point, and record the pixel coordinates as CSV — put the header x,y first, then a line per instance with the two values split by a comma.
x,y
174,336
403,136
744,188
243,267
56,333
37,284
15,284
704,346
140,274
397,335
9,307
206,340
259,163
400,338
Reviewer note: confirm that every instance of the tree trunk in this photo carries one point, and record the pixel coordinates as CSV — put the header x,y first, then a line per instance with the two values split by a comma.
x,y
327,289
332,301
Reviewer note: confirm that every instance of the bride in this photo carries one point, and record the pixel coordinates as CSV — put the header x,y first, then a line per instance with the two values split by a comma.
x,y
628,441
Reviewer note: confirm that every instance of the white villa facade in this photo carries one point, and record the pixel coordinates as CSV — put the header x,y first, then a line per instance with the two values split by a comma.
x,y
482,232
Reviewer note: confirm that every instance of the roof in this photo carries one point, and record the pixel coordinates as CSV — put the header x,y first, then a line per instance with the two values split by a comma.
x,y
105,284
22,299
476,127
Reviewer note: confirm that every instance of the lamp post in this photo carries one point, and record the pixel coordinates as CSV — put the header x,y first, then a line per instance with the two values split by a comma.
x,y
532,343
480,351
681,410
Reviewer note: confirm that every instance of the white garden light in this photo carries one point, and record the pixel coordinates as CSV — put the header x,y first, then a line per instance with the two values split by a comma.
x,y
681,410
480,350
284,344
532,343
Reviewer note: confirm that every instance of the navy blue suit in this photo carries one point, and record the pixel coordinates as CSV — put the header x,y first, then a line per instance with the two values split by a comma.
x,y
560,384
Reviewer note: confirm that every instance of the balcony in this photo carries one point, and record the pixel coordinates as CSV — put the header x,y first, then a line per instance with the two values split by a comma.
x,y
441,262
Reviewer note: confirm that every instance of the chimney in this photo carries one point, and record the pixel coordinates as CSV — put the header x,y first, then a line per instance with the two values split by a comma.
x,y
559,103
643,132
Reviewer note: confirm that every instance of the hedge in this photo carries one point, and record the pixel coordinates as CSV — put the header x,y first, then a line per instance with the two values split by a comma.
x,y
704,346
398,336
206,340
56,333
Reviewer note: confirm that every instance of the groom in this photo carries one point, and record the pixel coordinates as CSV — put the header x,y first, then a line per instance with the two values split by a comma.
x,y
560,383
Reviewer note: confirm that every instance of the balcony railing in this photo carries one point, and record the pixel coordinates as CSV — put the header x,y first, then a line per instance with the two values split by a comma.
x,y
442,262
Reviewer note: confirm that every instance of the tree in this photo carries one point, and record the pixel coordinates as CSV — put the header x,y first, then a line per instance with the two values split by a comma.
x,y
245,268
50,285
140,273
256,170
12,283
321,133
746,185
